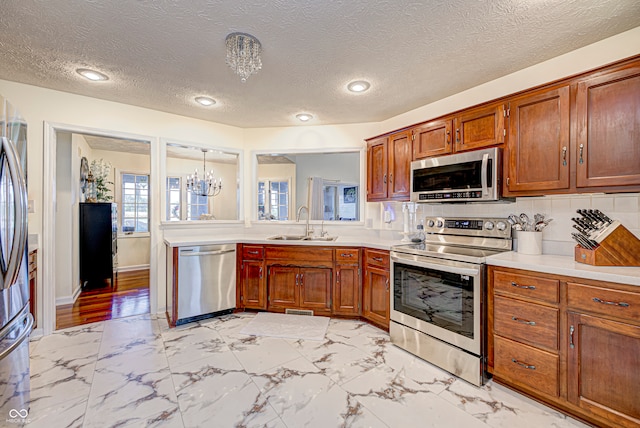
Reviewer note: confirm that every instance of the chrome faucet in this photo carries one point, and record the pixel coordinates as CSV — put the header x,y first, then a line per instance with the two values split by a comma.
x,y
307,230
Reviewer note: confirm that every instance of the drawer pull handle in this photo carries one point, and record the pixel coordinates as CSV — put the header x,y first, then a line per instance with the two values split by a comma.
x,y
346,255
260,273
571,330
607,302
297,279
527,287
520,320
253,252
526,366
377,259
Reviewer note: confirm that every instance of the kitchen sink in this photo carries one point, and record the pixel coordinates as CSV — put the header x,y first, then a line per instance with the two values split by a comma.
x,y
300,238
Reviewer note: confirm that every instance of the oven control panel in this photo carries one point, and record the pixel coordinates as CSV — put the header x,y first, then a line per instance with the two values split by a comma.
x,y
477,226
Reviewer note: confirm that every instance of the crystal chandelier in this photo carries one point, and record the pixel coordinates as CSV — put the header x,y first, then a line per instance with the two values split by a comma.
x,y
243,54
208,186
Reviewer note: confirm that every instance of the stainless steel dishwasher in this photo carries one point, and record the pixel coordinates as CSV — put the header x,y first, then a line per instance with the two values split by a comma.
x,y
206,283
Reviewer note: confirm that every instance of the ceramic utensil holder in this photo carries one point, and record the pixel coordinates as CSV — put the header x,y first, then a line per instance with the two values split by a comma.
x,y
529,242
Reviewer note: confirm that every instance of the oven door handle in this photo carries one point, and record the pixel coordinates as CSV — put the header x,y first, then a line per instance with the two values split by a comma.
x,y
435,264
484,173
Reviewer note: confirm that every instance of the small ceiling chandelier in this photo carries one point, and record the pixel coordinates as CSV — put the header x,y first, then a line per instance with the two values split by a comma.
x,y
207,186
243,54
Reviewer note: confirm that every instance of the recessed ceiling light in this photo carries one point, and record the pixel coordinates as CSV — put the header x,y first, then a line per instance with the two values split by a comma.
x,y
304,117
205,101
358,86
92,74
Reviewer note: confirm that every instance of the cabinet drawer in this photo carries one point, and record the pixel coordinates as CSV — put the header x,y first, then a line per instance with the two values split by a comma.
x,y
525,286
292,253
347,255
527,366
605,301
377,258
252,252
529,323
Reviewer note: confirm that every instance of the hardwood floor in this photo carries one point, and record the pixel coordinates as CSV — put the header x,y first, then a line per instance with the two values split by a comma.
x,y
130,296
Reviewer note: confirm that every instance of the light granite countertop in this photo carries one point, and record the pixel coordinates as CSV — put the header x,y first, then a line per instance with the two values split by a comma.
x,y
341,241
566,265
546,263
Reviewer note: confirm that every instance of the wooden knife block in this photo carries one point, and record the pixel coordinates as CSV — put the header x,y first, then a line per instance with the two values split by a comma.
x,y
619,248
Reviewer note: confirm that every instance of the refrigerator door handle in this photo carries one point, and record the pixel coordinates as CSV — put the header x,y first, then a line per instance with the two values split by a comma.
x,y
27,325
20,203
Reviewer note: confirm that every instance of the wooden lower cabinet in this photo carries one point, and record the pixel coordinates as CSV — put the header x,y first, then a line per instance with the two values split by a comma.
x,y
283,287
293,287
252,277
253,285
375,289
604,368
571,343
346,290
347,286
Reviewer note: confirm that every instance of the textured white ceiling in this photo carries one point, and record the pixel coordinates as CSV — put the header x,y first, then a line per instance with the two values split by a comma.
x,y
161,54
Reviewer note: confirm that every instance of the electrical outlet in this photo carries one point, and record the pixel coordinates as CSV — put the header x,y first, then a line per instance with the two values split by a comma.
x,y
31,206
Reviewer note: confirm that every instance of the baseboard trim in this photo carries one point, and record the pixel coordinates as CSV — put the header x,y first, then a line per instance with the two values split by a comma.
x,y
69,300
132,268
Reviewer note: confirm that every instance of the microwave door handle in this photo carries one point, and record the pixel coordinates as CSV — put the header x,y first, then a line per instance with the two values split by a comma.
x,y
20,204
483,175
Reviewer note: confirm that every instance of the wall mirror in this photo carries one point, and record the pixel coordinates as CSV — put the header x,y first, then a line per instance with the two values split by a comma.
x,y
201,184
328,184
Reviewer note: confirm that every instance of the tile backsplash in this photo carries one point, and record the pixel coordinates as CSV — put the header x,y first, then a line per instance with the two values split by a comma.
x,y
556,238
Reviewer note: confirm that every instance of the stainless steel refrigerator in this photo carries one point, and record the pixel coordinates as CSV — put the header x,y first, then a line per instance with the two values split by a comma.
x,y
15,320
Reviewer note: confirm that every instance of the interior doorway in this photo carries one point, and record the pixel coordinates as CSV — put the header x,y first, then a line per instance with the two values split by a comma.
x,y
128,163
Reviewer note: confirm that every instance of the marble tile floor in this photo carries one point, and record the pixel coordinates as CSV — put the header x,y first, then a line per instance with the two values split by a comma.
x,y
136,372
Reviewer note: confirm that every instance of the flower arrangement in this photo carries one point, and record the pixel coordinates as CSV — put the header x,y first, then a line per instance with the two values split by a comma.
x,y
101,171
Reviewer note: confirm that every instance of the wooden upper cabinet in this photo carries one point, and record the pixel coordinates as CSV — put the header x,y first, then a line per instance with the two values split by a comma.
x,y
400,154
608,128
432,139
537,155
388,167
377,169
478,128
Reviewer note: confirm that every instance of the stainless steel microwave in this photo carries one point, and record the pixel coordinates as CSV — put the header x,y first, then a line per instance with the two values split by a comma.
x,y
464,177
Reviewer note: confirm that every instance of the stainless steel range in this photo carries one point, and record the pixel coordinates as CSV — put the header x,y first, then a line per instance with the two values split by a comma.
x,y
439,292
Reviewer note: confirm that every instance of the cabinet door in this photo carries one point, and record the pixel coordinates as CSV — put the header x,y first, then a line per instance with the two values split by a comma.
x,y
283,286
432,139
608,129
315,288
479,128
377,169
400,153
603,368
375,296
346,290
539,142
253,285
